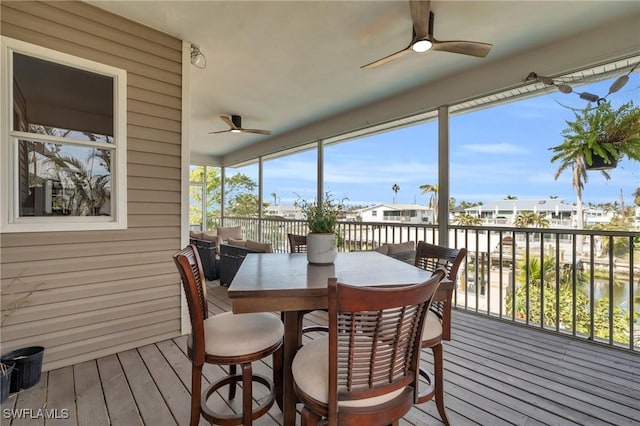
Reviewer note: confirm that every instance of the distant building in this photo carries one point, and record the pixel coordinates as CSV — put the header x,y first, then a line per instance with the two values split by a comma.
x,y
412,213
504,212
285,212
597,217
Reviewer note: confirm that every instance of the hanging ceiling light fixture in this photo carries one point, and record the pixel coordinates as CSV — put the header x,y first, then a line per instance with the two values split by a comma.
x,y
198,59
590,97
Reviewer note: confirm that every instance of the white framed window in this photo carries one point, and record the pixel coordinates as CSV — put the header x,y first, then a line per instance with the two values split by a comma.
x,y
63,144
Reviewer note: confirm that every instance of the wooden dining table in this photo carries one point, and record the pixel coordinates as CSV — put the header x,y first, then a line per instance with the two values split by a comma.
x,y
283,282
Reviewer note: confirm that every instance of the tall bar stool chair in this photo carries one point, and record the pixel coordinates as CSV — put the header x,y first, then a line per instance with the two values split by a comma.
x,y
227,339
365,372
438,323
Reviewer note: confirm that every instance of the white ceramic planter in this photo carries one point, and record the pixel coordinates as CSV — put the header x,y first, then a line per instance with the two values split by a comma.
x,y
321,248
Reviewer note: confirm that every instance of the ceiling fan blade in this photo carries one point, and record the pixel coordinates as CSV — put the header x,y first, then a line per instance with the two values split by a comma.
x,y
420,17
260,132
471,48
221,131
387,59
228,121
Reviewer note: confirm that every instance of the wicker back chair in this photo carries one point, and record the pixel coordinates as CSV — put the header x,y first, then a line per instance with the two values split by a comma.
x,y
366,370
227,339
438,323
430,257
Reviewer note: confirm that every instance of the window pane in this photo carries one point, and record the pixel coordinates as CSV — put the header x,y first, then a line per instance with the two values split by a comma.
x,y
59,100
63,180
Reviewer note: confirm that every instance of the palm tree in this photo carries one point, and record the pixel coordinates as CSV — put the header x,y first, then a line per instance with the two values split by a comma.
x,y
525,219
636,197
510,197
466,219
395,188
433,201
274,195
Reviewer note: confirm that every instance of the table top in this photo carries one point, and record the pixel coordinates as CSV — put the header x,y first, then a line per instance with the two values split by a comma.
x,y
286,281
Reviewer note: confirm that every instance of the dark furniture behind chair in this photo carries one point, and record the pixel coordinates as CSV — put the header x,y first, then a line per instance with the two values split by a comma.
x,y
231,257
366,371
438,322
227,339
208,256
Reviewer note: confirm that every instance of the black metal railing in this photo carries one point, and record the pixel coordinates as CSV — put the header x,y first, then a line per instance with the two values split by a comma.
x,y
582,283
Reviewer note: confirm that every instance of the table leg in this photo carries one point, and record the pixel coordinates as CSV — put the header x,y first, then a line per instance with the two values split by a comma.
x,y
291,345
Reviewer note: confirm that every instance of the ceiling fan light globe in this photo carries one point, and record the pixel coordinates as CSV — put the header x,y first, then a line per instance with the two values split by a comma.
x,y
421,46
235,131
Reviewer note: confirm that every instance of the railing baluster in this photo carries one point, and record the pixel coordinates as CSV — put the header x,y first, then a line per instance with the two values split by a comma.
x,y
581,308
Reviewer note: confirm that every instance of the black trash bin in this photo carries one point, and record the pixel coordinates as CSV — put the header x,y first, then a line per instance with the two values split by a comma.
x,y
5,379
27,368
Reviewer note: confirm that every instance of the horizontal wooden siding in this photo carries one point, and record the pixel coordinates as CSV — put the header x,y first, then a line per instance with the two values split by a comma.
x,y
86,294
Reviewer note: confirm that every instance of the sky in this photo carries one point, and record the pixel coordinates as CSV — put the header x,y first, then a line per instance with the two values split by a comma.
x,y
494,152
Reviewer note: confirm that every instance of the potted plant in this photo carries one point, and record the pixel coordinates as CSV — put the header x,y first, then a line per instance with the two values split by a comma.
x,y
322,220
21,368
600,136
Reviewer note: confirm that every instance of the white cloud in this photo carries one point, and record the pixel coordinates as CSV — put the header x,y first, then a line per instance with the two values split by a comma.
x,y
367,172
495,148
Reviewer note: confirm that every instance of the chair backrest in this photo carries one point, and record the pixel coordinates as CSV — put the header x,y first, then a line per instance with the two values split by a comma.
x,y
374,343
188,262
297,243
430,257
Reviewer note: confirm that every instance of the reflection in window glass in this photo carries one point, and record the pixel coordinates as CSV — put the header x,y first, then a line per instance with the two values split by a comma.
x,y
64,180
58,100
71,134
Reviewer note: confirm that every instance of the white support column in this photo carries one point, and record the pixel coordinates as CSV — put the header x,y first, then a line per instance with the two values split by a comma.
x,y
260,190
185,144
222,183
203,189
320,177
443,176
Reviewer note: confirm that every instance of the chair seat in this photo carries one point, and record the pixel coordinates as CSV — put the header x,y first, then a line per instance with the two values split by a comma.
x,y
310,370
229,335
432,327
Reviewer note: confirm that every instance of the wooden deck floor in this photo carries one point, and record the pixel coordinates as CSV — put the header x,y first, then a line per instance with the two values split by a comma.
x,y
496,374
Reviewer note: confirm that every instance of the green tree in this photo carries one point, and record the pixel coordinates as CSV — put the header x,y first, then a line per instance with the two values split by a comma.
x,y
526,219
466,219
433,200
636,197
237,202
542,274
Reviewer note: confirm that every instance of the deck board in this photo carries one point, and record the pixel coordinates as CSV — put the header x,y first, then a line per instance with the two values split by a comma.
x,y
496,373
120,403
92,408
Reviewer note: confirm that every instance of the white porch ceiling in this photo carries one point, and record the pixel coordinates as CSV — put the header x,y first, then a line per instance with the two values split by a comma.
x,y
294,67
